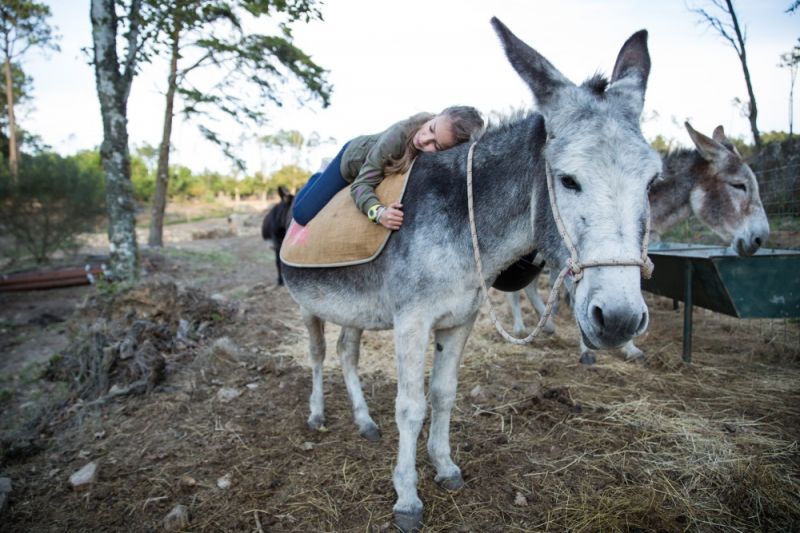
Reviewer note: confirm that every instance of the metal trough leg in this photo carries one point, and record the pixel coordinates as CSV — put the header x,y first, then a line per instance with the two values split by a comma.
x,y
687,312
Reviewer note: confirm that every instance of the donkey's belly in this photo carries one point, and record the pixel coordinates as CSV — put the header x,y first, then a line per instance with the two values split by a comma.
x,y
346,301
341,296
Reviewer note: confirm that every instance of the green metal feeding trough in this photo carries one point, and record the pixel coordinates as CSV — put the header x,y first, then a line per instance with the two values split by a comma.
x,y
765,285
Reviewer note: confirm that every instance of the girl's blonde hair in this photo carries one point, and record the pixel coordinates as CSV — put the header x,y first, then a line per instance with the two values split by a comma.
x,y
464,120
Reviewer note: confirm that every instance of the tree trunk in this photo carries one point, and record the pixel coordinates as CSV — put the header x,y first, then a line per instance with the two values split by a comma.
x,y
13,153
793,73
112,91
162,172
753,111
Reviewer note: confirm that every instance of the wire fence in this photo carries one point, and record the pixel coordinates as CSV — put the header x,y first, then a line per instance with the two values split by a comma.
x,y
780,190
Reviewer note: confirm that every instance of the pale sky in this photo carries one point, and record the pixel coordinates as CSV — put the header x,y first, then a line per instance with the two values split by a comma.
x,y
390,59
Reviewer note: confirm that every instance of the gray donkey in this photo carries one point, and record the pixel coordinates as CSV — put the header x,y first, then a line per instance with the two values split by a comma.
x,y
425,280
711,182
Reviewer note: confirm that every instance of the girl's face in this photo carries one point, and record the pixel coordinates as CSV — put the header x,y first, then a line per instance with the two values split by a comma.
x,y
435,135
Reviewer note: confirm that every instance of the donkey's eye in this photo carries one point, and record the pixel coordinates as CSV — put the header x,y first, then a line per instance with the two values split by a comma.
x,y
740,186
656,177
569,183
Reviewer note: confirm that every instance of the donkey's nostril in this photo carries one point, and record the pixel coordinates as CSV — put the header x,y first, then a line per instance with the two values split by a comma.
x,y
642,324
757,241
597,315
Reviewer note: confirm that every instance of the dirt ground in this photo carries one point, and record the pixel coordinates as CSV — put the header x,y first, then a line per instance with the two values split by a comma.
x,y
214,418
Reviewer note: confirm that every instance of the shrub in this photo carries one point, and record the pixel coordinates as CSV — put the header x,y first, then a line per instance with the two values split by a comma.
x,y
53,200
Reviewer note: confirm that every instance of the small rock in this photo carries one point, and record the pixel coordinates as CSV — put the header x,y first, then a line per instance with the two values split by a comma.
x,y
182,334
187,481
225,347
478,394
252,386
226,394
224,482
100,434
84,477
83,454
233,427
307,446
177,519
520,500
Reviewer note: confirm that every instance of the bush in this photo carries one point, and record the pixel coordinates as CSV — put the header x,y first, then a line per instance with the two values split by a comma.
x,y
53,200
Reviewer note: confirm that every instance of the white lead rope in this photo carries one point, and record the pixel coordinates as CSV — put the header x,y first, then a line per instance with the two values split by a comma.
x,y
574,267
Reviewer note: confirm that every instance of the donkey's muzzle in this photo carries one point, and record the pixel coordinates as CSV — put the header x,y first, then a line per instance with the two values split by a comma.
x,y
613,325
749,245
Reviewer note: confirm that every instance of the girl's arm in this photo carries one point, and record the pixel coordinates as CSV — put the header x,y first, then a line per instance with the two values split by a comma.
x,y
390,145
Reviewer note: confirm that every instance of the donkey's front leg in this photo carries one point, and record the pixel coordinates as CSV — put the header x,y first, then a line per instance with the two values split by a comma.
x,y
411,339
444,381
631,351
316,350
349,346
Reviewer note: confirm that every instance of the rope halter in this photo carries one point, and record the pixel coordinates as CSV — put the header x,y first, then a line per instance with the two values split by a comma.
x,y
574,266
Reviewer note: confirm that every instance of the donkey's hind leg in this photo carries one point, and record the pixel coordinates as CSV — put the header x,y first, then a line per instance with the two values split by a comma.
x,y
516,312
533,295
348,346
316,350
443,385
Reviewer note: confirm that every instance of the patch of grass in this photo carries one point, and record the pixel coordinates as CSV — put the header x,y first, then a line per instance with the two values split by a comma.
x,y
238,294
178,219
218,258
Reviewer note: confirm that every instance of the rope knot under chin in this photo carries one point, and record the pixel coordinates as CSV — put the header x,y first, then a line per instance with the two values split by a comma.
x,y
574,269
647,267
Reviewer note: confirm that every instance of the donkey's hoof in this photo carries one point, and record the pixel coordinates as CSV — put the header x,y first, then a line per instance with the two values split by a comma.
x,y
408,522
588,358
316,422
371,433
634,354
549,328
452,483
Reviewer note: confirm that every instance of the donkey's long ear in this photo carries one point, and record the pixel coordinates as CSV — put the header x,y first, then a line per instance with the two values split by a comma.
x,y
719,134
633,60
709,149
283,192
540,75
631,70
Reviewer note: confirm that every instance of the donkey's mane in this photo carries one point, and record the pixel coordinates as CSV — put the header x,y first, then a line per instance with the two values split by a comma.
x,y
597,84
503,123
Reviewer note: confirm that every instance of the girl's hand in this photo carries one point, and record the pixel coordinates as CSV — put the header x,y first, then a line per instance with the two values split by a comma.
x,y
392,216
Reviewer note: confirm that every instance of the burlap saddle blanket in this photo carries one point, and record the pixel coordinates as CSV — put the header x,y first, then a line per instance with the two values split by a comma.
x,y
340,234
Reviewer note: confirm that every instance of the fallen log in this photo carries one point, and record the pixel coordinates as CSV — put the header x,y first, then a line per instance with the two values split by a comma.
x,y
64,277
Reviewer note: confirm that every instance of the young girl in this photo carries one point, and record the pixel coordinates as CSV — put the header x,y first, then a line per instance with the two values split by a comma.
x,y
364,161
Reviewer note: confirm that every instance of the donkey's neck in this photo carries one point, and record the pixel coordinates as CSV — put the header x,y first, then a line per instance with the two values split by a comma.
x,y
508,171
669,198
